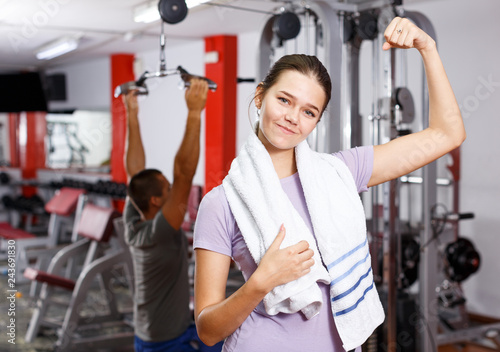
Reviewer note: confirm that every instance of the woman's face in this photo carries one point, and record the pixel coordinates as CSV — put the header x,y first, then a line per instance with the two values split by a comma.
x,y
290,110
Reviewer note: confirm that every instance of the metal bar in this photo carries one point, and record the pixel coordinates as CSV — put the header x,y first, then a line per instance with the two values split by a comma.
x,y
428,257
161,73
360,6
463,335
418,180
332,30
391,233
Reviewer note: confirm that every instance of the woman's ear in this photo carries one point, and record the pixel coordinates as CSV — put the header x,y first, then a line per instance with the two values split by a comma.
x,y
258,95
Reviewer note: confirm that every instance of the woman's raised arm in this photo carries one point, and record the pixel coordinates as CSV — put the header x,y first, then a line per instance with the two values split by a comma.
x,y
446,130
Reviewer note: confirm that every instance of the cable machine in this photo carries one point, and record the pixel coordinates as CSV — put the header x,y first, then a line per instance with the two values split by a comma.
x,y
171,12
418,259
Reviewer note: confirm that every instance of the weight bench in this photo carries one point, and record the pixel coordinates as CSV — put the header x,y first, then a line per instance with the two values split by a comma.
x,y
61,208
104,253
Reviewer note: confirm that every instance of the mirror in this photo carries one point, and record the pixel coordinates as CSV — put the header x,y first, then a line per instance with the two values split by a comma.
x,y
79,140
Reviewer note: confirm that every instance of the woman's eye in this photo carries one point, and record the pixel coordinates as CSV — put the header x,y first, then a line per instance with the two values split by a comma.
x,y
283,100
309,113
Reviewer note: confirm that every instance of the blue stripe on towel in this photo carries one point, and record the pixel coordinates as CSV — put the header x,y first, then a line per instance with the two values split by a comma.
x,y
343,276
347,310
347,254
352,288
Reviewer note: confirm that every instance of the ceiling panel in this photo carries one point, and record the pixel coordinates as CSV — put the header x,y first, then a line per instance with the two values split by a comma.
x,y
107,26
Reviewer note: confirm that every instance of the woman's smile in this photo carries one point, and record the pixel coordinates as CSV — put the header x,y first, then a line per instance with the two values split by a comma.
x,y
285,130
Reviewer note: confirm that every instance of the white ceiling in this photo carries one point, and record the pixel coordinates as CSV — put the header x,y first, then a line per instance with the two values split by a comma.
x,y
107,27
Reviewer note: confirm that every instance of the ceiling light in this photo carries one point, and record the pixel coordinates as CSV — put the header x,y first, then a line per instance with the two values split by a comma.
x,y
57,48
192,3
148,12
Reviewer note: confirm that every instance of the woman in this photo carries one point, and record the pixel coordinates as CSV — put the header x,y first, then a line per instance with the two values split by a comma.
x,y
310,287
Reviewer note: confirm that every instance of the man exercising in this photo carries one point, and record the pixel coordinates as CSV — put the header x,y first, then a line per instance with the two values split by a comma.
x,y
153,214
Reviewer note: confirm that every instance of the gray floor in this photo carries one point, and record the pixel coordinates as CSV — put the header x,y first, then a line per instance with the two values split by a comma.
x,y
45,341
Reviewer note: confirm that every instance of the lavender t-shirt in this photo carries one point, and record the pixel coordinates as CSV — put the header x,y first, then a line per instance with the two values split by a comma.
x,y
216,230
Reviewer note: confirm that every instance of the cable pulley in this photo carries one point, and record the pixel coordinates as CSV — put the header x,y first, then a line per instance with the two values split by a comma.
x,y
287,25
172,11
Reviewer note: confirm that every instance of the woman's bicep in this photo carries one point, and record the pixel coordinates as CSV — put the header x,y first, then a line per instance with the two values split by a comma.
x,y
406,154
211,271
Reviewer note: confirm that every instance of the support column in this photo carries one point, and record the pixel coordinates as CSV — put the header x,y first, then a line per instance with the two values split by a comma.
x,y
122,70
220,111
13,139
32,131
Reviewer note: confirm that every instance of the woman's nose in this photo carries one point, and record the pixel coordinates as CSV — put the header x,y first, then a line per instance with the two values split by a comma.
x,y
292,117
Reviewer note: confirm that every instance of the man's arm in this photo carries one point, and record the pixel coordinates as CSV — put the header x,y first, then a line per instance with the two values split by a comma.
x,y
135,159
186,159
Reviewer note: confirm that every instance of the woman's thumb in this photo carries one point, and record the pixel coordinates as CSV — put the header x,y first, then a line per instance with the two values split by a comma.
x,y
279,237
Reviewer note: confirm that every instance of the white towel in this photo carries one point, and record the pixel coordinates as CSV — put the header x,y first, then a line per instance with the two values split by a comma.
x,y
260,206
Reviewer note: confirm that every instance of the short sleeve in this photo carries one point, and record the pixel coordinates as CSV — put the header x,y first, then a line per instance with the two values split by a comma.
x,y
359,161
132,220
214,227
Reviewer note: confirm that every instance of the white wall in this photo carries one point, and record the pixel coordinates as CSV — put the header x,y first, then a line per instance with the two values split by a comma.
x,y
163,112
87,86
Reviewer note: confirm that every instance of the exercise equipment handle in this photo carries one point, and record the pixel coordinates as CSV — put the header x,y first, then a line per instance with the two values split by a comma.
x,y
186,77
460,216
142,89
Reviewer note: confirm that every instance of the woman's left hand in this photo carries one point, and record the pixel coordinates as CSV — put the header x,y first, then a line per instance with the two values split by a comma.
x,y
404,34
